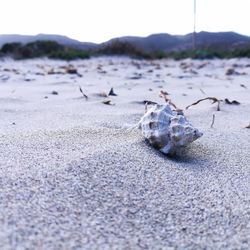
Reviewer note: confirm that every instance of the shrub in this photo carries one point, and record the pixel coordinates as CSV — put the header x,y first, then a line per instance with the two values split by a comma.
x,y
49,49
69,55
117,47
9,48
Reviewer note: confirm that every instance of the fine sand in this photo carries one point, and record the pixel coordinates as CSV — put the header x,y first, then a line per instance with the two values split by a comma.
x,y
76,173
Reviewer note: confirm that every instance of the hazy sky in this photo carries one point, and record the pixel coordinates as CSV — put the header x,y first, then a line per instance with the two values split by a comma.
x,y
100,20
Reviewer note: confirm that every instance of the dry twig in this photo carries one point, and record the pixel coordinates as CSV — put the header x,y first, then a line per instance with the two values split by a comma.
x,y
146,108
234,102
212,124
213,99
108,102
202,91
85,96
164,94
149,102
111,92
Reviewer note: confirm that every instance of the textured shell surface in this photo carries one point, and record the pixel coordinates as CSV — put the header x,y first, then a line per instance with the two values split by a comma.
x,y
167,130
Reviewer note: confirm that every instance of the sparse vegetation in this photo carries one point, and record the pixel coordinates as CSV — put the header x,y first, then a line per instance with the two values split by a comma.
x,y
9,48
69,54
125,48
36,49
121,48
209,54
52,49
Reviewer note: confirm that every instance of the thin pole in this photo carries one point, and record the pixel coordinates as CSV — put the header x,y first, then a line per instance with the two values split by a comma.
x,y
194,33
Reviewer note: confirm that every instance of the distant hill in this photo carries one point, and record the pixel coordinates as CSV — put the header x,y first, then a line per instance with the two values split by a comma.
x,y
204,40
63,40
221,40
150,43
164,41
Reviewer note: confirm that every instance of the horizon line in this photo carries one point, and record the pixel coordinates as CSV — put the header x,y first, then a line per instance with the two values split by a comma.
x,y
117,37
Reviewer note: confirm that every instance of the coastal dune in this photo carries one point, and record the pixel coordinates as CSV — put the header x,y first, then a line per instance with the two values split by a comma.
x,y
76,172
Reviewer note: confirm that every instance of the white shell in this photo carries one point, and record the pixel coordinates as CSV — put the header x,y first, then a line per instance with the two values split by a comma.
x,y
167,130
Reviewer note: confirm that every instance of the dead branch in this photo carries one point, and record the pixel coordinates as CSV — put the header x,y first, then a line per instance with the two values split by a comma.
x,y
213,99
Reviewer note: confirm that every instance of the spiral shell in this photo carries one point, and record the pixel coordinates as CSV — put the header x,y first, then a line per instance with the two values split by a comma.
x,y
167,130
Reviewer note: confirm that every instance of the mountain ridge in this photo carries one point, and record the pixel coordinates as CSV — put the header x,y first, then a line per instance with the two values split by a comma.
x,y
63,40
160,41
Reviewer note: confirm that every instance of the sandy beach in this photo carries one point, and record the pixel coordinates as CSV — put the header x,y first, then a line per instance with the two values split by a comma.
x,y
75,173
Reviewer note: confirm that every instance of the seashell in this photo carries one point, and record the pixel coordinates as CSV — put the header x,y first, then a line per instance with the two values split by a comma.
x,y
167,130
